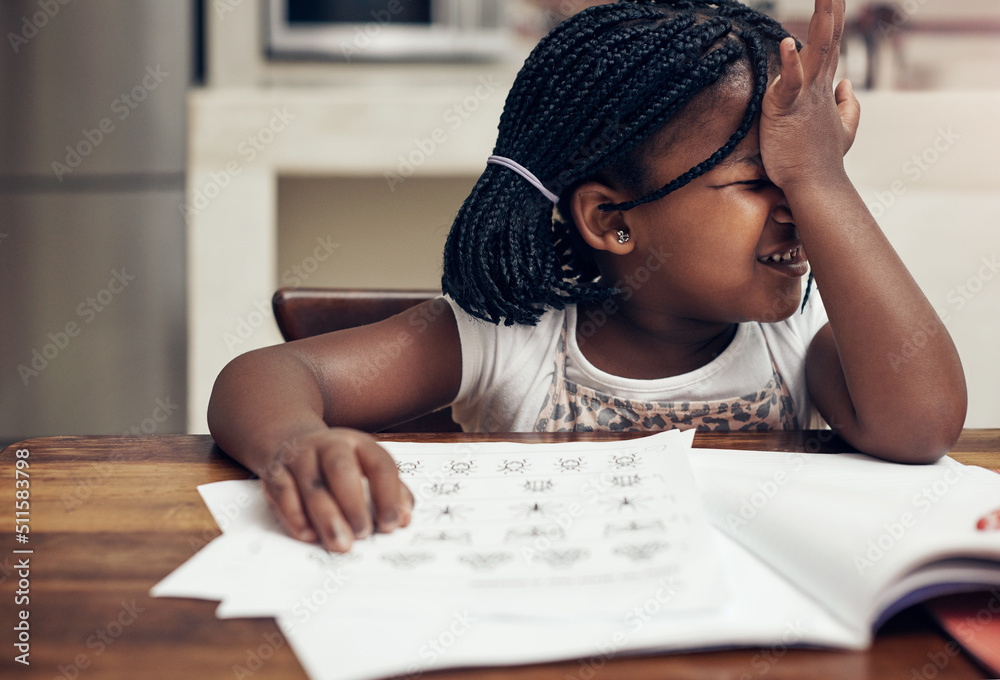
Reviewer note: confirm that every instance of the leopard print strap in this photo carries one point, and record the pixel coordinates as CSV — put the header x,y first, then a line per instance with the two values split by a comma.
x,y
570,407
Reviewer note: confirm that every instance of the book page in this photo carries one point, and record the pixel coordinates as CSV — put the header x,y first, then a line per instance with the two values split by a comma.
x,y
848,527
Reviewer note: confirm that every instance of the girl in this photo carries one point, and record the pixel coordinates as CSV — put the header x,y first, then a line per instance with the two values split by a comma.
x,y
694,157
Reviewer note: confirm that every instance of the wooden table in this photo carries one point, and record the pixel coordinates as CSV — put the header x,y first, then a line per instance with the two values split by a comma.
x,y
111,516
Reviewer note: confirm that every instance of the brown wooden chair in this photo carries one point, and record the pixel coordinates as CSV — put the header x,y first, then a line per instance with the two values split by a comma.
x,y
304,312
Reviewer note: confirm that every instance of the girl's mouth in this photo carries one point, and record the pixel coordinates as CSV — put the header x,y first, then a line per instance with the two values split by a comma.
x,y
784,257
789,261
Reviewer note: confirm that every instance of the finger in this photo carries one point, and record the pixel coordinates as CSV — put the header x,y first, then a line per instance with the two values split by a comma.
x,y
335,533
788,84
406,512
839,10
342,472
389,495
850,110
820,42
282,494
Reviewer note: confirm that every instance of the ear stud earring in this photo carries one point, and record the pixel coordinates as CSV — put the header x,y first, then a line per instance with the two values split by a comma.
x,y
623,236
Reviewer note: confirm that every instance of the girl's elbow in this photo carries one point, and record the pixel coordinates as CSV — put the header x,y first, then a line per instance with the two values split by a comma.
x,y
924,442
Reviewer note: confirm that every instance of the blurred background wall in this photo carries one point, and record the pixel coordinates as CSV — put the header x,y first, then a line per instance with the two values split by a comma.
x,y
92,164
126,287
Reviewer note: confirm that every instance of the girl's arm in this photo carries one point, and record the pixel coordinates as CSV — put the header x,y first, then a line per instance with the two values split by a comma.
x,y
293,414
862,374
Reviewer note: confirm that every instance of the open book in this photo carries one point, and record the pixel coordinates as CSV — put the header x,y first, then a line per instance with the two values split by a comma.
x,y
522,553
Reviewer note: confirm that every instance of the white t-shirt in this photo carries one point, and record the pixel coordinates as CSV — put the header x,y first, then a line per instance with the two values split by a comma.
x,y
507,370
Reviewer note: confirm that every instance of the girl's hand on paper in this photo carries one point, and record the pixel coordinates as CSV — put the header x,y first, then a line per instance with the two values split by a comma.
x,y
317,486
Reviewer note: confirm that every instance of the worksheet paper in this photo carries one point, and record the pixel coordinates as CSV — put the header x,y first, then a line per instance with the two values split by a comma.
x,y
550,545
554,530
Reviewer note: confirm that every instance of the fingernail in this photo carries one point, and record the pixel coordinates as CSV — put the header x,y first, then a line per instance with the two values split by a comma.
x,y
388,521
342,536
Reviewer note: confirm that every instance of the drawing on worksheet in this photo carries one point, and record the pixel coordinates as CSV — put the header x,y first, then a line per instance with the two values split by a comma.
x,y
401,560
445,536
515,466
460,467
622,481
485,561
327,559
641,551
447,513
498,516
535,533
627,504
536,510
569,528
625,461
561,559
538,485
619,528
409,467
445,488
571,464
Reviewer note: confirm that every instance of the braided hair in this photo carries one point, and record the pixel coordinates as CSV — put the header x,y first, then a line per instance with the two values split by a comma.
x,y
593,90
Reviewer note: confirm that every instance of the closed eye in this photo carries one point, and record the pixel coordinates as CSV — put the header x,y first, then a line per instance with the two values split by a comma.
x,y
755,183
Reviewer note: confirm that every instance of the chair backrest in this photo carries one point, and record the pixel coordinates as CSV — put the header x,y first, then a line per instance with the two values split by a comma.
x,y
304,312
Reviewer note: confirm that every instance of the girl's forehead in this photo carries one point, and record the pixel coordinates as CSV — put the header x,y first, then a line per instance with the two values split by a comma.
x,y
711,117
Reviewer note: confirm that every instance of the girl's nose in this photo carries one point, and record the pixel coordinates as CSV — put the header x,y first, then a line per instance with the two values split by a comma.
x,y
781,212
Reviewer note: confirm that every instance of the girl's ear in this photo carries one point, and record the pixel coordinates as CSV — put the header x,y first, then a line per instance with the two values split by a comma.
x,y
601,230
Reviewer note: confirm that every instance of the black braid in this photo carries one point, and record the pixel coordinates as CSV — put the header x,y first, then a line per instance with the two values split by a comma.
x,y
591,93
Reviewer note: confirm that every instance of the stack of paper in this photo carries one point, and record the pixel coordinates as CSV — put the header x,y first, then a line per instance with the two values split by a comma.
x,y
523,553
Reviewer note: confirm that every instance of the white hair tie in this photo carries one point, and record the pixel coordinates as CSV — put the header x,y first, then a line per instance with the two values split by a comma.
x,y
523,172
